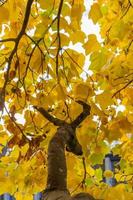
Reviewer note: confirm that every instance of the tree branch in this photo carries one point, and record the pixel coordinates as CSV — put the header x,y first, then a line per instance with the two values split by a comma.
x,y
59,122
55,121
8,40
122,88
17,40
58,36
83,115
2,2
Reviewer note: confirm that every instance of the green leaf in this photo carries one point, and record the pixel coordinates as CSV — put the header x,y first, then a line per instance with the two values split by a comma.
x,y
89,182
104,9
99,174
96,158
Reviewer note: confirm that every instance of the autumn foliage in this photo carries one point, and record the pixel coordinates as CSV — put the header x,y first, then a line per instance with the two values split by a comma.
x,y
41,65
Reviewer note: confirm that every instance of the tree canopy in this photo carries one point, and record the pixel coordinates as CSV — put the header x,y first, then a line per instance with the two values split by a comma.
x,y
41,65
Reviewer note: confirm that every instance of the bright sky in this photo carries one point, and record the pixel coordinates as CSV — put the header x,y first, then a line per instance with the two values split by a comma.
x,y
89,28
87,25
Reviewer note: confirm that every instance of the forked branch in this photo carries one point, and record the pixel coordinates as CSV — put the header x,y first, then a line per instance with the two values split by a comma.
x,y
59,122
54,120
82,116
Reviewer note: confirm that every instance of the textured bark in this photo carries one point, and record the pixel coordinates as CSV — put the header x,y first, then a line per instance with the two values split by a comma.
x,y
57,171
65,137
56,195
82,196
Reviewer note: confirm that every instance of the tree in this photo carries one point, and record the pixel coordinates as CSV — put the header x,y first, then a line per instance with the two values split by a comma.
x,y
39,67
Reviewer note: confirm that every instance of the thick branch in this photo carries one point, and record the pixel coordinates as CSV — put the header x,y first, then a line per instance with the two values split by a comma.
x,y
58,122
49,117
83,115
26,18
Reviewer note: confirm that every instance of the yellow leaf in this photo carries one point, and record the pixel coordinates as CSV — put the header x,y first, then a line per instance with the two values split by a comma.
x,y
76,10
128,92
75,110
124,124
4,14
44,100
121,190
64,39
104,99
60,92
39,30
47,4
128,18
90,170
96,110
108,174
77,36
24,149
3,137
92,44
15,153
64,24
82,91
7,185
16,12
77,59
130,117
95,13
119,29
20,196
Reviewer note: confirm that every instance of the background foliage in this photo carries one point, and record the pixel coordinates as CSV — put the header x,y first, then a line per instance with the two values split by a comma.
x,y
40,67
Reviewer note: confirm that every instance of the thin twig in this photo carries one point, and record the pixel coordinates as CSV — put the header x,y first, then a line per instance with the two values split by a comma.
x,y
59,38
118,91
17,40
85,171
8,40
